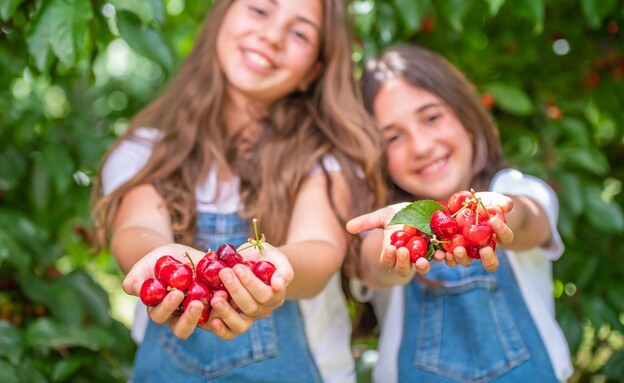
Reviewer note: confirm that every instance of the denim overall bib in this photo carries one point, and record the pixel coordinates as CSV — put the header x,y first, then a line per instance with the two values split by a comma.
x,y
475,327
274,350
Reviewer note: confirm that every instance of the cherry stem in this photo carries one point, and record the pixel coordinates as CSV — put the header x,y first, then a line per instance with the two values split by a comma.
x,y
258,241
190,259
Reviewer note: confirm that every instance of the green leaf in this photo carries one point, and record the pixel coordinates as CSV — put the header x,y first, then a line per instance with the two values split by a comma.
x,y
7,8
12,168
8,373
577,130
388,26
510,99
590,159
147,10
571,195
59,27
454,11
571,327
45,332
411,13
417,214
59,166
604,216
614,368
535,11
92,296
12,253
55,295
144,40
66,367
11,346
494,6
596,11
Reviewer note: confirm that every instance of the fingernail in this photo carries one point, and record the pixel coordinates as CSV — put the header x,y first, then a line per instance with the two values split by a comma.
x,y
279,281
226,275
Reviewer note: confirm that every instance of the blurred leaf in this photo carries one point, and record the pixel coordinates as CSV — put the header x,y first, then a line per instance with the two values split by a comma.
x,y
59,166
577,130
8,7
571,193
61,301
494,6
40,186
12,168
92,296
145,40
589,159
534,10
67,367
454,11
147,10
8,373
614,368
596,11
604,216
411,13
387,21
45,332
11,347
510,99
60,27
571,327
12,253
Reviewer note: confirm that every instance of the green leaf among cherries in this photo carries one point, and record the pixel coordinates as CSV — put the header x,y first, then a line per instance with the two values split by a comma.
x,y
417,214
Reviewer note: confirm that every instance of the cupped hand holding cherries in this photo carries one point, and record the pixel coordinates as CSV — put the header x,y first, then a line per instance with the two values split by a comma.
x,y
170,284
456,231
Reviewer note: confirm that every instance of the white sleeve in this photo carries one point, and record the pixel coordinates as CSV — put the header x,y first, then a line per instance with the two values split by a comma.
x,y
127,159
514,182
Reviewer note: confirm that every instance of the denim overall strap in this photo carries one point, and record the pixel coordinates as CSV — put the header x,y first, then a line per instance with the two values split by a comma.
x,y
470,325
275,349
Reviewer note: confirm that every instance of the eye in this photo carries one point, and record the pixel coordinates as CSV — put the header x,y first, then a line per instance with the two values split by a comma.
x,y
392,137
300,35
256,10
431,118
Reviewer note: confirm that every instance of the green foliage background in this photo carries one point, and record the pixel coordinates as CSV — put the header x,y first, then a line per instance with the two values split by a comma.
x,y
73,72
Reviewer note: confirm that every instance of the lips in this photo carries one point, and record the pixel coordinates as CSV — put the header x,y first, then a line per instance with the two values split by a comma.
x,y
434,167
257,60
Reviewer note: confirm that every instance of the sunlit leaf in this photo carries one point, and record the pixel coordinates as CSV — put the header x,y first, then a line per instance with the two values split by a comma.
x,y
510,99
417,214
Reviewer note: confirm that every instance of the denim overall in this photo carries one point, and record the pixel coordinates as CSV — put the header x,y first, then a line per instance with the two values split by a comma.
x,y
475,327
274,350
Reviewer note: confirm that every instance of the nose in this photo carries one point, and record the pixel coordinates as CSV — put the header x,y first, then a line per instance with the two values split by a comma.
x,y
421,143
273,33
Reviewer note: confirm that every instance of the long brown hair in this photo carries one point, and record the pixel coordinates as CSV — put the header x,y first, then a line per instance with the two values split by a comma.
x,y
430,71
328,118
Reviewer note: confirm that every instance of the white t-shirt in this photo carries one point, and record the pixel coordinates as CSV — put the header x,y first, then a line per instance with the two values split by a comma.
x,y
533,271
326,319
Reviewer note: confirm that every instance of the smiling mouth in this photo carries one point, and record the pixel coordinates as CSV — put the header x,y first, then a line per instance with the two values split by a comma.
x,y
258,60
433,167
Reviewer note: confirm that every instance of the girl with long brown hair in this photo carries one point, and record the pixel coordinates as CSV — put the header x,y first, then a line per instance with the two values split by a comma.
x,y
264,120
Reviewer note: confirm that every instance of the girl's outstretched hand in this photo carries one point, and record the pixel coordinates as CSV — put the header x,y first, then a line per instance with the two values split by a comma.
x,y
251,298
233,311
391,257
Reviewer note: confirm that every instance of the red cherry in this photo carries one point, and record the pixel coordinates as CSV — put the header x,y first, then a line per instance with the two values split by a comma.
x,y
457,200
177,276
417,247
473,252
199,292
465,218
228,254
443,224
162,262
495,211
264,271
456,240
152,292
411,230
399,238
209,273
477,235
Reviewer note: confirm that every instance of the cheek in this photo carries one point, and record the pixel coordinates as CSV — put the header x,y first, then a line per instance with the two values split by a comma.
x,y
396,164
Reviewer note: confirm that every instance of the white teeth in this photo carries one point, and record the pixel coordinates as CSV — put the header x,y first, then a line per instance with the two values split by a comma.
x,y
434,166
257,59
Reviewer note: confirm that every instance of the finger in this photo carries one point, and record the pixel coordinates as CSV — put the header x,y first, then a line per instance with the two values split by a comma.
x,y
388,257
450,259
162,312
422,266
219,328
439,256
504,235
184,326
239,293
403,265
461,257
489,259
236,322
375,220
258,299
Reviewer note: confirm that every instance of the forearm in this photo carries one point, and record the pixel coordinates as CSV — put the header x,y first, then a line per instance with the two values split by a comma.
x,y
529,223
314,262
